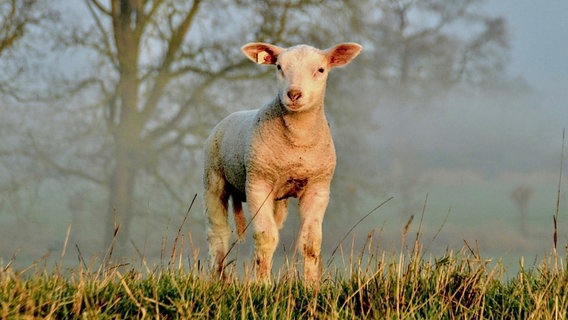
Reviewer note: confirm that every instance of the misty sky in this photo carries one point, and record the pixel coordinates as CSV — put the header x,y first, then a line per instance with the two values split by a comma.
x,y
539,54
539,43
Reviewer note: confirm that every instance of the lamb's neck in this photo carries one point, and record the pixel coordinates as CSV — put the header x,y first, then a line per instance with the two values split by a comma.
x,y
304,128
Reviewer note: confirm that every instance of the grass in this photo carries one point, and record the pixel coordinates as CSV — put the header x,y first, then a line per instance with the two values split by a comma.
x,y
365,283
369,284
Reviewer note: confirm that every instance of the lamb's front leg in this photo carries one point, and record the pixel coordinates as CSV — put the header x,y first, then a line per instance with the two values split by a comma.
x,y
261,206
313,204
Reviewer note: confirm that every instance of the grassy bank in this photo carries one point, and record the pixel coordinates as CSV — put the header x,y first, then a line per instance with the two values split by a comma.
x,y
370,285
366,283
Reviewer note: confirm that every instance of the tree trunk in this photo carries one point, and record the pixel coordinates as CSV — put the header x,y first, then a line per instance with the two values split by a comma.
x,y
523,208
121,195
126,125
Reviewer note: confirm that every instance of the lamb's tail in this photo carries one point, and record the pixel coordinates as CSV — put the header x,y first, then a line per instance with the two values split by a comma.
x,y
240,220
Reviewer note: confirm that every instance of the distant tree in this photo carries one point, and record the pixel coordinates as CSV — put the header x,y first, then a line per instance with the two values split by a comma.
x,y
522,195
415,52
16,17
423,47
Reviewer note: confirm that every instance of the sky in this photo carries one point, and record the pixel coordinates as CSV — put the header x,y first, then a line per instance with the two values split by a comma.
x,y
539,43
538,32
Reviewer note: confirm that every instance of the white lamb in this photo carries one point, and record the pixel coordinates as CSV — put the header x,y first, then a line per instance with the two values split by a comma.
x,y
281,150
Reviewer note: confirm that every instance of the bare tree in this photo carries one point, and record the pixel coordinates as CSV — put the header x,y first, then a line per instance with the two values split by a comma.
x,y
424,47
522,195
156,85
151,78
15,16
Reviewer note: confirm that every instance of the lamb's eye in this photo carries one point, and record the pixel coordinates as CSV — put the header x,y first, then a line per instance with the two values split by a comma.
x,y
321,70
278,67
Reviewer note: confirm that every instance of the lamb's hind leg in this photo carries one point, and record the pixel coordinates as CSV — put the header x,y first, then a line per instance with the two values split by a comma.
x,y
219,231
240,220
280,212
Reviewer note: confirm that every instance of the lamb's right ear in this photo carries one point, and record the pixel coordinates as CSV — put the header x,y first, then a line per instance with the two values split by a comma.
x,y
262,53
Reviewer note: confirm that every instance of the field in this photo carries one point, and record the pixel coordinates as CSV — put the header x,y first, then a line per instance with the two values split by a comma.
x,y
368,284
455,285
388,267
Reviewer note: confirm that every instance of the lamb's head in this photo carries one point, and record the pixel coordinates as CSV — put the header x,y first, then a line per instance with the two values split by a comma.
x,y
301,70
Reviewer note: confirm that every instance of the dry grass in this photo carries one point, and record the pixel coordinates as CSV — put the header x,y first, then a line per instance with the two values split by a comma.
x,y
367,283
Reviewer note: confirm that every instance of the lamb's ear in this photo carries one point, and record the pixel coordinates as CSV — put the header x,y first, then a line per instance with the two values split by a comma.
x,y
342,54
262,53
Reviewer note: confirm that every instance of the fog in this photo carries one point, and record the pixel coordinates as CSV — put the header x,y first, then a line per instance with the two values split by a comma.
x,y
449,136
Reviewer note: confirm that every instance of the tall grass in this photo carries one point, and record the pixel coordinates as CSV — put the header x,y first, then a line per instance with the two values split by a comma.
x,y
367,283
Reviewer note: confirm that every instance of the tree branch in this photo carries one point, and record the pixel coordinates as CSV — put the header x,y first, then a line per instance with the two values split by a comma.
x,y
107,51
13,25
162,79
47,160
169,189
195,96
142,18
100,7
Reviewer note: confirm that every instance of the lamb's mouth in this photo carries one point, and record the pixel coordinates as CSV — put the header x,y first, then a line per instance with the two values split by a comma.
x,y
294,107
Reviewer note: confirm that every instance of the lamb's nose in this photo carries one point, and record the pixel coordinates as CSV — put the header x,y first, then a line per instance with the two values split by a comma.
x,y
294,94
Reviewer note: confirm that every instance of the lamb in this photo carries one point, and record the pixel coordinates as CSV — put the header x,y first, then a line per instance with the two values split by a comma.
x,y
267,155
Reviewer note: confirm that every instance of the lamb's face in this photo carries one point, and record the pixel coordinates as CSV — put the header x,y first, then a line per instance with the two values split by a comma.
x,y
302,75
301,70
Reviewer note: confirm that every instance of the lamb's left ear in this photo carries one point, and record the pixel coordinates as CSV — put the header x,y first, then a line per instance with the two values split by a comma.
x,y
342,54
262,53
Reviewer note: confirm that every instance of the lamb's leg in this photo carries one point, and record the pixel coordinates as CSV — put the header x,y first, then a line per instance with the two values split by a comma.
x,y
240,220
261,205
280,212
219,231
313,204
